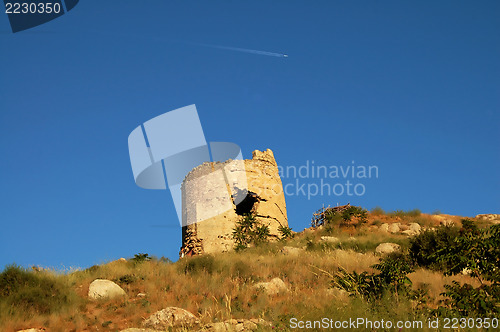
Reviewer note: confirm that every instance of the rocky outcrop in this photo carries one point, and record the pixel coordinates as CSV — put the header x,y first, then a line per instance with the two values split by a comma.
x,y
101,289
170,317
216,195
489,217
411,229
273,287
387,248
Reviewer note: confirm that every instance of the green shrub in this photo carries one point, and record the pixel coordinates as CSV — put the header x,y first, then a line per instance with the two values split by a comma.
x,y
392,279
478,252
140,258
28,293
425,246
347,215
248,231
126,279
285,232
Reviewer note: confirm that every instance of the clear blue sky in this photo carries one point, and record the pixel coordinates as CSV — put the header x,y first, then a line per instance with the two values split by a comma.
x,y
412,88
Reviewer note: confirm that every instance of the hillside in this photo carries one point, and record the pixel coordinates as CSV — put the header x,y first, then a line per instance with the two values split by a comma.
x,y
328,271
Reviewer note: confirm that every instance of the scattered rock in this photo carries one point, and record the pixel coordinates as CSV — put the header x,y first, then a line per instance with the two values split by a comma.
x,y
273,287
447,222
170,317
387,248
489,216
415,227
403,227
443,219
123,260
384,227
236,325
330,239
291,251
33,330
394,228
104,289
141,295
133,329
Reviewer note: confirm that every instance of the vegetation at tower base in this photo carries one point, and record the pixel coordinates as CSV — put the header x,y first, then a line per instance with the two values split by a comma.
x,y
285,233
248,231
324,271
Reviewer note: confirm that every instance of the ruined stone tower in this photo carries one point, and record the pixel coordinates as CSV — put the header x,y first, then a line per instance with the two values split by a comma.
x,y
215,195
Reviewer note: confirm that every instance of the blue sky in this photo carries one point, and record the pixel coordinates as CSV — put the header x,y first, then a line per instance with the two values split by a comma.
x,y
410,88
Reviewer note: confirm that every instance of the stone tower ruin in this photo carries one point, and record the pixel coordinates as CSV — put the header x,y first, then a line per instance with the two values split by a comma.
x,y
213,201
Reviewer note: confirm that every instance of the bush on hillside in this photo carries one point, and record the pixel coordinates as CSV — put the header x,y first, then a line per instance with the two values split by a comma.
x,y
347,215
392,279
425,246
477,252
248,231
28,293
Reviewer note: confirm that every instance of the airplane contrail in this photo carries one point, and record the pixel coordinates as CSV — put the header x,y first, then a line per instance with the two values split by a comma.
x,y
244,50
229,48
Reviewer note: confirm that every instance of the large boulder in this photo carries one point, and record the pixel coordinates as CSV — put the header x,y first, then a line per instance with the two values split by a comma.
x,y
387,248
384,227
394,228
273,287
170,317
101,289
236,325
412,229
415,227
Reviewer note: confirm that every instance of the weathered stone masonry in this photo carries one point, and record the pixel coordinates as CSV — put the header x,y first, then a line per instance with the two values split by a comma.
x,y
209,208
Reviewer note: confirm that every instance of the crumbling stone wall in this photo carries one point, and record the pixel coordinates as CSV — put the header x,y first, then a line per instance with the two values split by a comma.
x,y
210,216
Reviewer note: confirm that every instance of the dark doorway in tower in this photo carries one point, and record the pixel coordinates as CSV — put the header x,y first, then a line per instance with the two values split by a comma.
x,y
247,204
